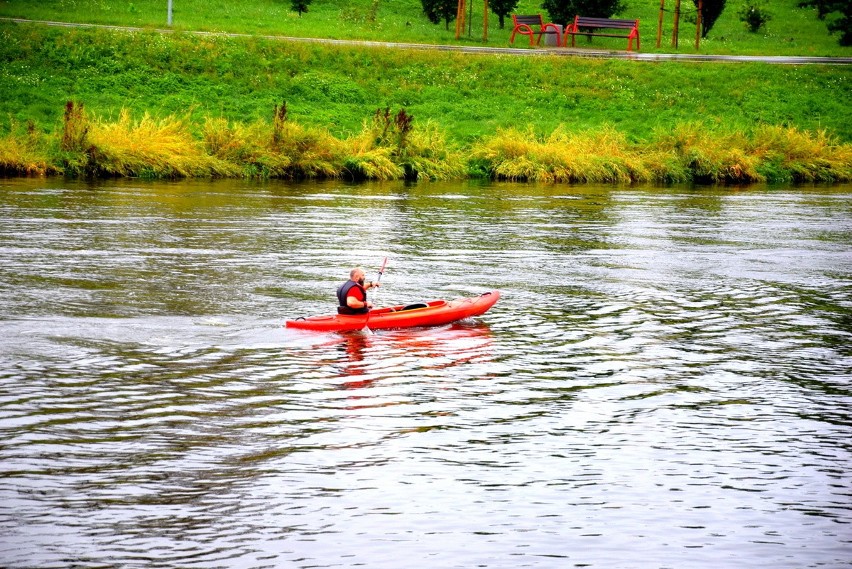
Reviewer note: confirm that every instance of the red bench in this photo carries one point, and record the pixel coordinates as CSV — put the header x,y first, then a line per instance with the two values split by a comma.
x,y
603,24
524,25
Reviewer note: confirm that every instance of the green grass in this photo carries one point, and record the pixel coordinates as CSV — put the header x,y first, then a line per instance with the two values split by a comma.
x,y
340,87
792,30
228,87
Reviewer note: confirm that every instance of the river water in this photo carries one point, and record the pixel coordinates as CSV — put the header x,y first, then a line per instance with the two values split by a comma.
x,y
664,383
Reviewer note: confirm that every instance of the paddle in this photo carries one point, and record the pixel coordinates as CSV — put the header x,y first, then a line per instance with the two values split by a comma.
x,y
382,271
378,279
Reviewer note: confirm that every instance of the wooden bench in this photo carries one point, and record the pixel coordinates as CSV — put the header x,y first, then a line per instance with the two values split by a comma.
x,y
524,25
603,24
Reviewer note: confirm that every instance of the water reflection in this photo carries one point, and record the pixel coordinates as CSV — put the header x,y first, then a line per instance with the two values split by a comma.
x,y
665,380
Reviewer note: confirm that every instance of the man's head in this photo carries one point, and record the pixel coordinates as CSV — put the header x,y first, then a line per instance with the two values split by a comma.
x,y
357,274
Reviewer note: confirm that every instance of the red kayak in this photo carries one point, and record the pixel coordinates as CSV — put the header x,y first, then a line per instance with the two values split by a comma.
x,y
432,313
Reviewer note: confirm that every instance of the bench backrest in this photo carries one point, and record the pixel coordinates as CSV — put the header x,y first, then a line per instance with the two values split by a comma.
x,y
585,22
530,20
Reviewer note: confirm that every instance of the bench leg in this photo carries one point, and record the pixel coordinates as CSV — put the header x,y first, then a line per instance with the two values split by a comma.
x,y
633,34
523,32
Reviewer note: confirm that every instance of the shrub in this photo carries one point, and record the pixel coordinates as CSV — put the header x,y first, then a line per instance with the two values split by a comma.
x,y
754,16
300,6
437,10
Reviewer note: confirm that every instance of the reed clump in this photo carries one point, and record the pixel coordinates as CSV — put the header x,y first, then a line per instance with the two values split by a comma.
x,y
789,154
152,148
602,156
703,155
391,147
23,152
282,149
690,152
767,154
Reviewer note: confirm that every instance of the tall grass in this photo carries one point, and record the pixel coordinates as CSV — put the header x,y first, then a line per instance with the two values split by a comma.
x,y
24,152
562,156
280,148
691,152
392,146
148,147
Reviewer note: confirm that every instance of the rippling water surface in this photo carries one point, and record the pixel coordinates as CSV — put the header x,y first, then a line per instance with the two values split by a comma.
x,y
665,382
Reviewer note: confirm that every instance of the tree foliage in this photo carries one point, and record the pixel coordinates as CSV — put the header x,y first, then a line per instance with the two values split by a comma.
x,y
838,14
710,12
300,6
437,10
563,11
502,8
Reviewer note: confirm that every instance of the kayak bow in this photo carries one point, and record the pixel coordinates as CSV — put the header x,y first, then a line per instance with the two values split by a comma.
x,y
432,313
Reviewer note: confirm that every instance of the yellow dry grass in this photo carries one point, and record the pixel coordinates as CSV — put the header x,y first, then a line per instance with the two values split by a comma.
x,y
23,156
148,147
602,156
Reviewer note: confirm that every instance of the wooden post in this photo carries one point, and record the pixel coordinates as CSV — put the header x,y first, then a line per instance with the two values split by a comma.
x,y
470,20
485,23
660,22
698,25
460,18
676,23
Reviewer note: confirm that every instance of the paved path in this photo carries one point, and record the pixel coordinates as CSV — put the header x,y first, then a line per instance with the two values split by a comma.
x,y
561,51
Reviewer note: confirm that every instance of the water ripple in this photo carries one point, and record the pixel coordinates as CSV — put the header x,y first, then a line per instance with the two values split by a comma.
x,y
665,379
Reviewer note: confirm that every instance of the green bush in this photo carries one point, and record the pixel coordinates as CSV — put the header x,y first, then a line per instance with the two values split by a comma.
x,y
754,16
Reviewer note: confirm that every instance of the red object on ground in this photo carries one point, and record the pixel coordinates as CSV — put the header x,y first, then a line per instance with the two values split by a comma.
x,y
533,25
603,23
432,313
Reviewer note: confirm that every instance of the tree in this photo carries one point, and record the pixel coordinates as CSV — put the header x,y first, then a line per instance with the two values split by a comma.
x,y
437,10
300,6
563,11
502,8
710,12
839,16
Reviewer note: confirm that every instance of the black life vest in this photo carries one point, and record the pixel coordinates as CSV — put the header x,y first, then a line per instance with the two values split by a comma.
x,y
342,291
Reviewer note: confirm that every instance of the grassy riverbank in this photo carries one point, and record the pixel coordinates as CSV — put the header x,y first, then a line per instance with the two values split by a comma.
x,y
209,101
391,147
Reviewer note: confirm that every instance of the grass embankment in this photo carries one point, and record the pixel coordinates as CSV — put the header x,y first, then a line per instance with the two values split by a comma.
x,y
791,31
182,105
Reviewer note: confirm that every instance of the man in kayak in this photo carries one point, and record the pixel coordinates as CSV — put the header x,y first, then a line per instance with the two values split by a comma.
x,y
352,295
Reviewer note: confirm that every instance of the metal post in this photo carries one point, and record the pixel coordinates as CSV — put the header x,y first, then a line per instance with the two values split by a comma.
x,y
169,19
